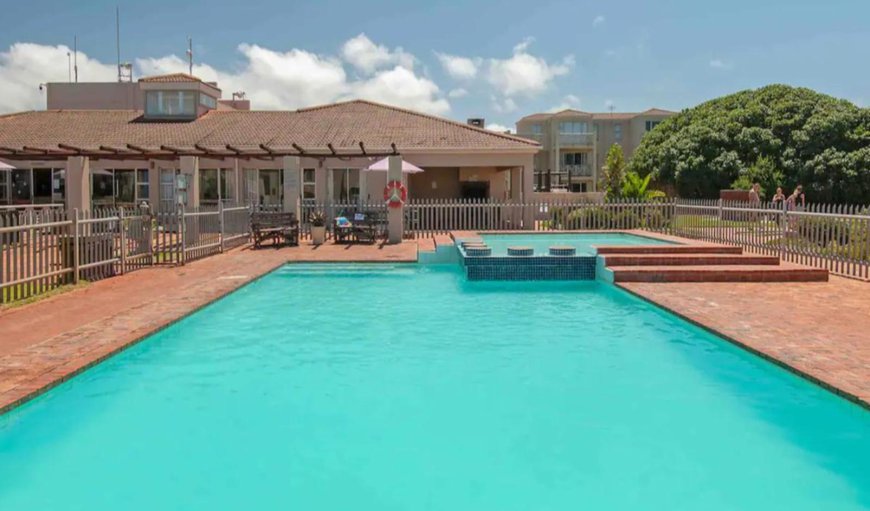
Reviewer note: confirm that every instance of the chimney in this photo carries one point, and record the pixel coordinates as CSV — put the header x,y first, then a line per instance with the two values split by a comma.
x,y
477,122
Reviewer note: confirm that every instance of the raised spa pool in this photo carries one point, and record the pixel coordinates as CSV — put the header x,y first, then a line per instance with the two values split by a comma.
x,y
582,242
372,387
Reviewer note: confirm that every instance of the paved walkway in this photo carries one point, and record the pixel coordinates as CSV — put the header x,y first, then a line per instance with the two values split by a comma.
x,y
818,329
47,342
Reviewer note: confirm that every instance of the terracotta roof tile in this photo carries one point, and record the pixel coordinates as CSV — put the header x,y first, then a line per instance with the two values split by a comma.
x,y
170,78
343,125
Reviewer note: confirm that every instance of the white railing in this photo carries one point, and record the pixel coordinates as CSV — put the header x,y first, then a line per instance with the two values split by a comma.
x,y
576,139
42,249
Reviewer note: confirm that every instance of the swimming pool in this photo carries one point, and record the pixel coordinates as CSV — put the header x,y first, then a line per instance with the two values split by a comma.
x,y
409,387
582,242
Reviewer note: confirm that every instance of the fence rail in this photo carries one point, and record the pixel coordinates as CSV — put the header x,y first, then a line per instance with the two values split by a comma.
x,y
44,248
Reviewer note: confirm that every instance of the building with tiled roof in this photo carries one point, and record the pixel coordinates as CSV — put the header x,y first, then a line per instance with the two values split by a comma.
x,y
574,143
118,155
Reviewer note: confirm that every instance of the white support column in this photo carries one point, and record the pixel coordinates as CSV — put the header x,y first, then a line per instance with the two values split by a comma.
x,y
527,196
153,184
190,167
78,183
292,186
396,216
321,176
363,186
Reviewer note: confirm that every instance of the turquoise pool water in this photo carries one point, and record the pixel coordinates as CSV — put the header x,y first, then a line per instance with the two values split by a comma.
x,y
407,388
541,243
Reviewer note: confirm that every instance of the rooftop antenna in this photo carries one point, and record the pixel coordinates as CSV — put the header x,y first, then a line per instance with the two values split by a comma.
x,y
69,66
610,107
76,57
190,55
118,38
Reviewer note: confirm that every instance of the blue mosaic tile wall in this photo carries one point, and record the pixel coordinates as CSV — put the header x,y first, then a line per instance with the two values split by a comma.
x,y
530,268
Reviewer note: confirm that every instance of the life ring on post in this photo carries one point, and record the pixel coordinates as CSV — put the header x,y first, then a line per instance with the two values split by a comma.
x,y
395,194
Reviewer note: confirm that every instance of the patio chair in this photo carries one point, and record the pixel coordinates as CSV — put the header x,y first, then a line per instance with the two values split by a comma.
x,y
274,226
365,228
342,230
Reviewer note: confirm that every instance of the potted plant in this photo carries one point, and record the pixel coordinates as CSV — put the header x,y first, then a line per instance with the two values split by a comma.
x,y
318,227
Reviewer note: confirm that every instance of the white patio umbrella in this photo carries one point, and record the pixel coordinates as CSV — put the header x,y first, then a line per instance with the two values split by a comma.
x,y
384,165
5,166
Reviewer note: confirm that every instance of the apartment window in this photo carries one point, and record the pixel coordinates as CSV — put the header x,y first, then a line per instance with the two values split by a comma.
x,y
536,129
652,124
575,158
573,127
617,132
170,103
308,189
207,101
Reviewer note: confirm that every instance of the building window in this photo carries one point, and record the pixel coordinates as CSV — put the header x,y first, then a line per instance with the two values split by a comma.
x,y
216,185
207,101
575,158
650,125
119,187
536,129
161,103
308,188
617,132
573,127
4,187
21,185
345,185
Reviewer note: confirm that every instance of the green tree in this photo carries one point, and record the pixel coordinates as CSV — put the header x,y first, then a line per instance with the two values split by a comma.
x,y
636,187
614,170
776,135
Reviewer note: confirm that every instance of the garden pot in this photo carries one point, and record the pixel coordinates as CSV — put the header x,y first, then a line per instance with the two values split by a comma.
x,y
318,234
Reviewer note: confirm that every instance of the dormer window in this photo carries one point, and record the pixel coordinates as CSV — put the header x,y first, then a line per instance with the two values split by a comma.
x,y
170,103
207,101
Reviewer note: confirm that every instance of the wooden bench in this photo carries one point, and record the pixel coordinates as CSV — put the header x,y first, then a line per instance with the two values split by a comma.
x,y
275,226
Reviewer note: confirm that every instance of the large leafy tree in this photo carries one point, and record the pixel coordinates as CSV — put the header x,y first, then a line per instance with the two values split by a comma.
x,y
778,135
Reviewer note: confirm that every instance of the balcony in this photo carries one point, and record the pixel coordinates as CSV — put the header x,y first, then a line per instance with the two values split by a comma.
x,y
576,139
583,170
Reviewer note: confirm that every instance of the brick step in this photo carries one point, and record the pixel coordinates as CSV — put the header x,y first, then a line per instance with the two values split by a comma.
x,y
723,273
688,259
668,249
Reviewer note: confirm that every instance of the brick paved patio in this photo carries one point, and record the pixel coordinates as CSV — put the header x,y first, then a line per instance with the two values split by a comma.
x,y
818,329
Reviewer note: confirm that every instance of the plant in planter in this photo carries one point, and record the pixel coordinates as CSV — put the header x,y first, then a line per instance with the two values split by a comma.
x,y
318,227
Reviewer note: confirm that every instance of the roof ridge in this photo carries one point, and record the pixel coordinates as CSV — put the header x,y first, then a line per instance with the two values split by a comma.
x,y
421,114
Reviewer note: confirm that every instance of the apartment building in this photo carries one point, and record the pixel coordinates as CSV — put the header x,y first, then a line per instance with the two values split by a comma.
x,y
574,144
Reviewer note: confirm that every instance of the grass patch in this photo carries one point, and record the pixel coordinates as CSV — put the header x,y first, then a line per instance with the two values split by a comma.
x,y
38,292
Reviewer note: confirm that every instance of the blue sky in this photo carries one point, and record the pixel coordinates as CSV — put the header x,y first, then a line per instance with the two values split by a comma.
x,y
516,57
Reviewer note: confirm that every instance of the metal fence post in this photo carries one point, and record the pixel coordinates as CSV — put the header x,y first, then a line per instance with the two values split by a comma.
x,y
221,221
182,234
123,237
75,229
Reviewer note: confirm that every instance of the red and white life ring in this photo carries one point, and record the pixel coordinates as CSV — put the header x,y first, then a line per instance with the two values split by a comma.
x,y
395,194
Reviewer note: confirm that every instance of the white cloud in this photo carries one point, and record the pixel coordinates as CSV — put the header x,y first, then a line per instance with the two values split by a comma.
x,y
457,93
400,86
506,106
25,65
568,102
368,57
461,68
501,128
598,21
524,73
719,64
272,79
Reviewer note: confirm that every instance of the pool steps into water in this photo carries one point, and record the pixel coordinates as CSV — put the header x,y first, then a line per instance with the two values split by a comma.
x,y
633,263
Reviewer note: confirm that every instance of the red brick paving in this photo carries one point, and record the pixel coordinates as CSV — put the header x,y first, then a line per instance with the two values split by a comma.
x,y
49,341
820,330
